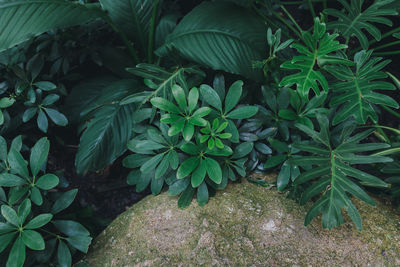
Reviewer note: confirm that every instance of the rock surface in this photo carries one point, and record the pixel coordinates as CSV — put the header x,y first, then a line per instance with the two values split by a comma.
x,y
244,225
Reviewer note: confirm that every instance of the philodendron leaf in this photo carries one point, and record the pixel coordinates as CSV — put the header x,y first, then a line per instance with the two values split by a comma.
x,y
316,52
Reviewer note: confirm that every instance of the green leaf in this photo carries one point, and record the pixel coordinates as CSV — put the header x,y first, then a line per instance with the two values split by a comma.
x,y
38,17
6,102
242,150
186,197
274,161
287,114
57,117
243,112
42,121
284,176
187,167
39,154
10,215
23,210
50,99
71,228
178,187
316,52
81,243
36,196
220,35
39,221
47,181
213,170
10,180
133,17
354,20
45,85
105,137
3,149
193,98
180,97
5,240
199,174
33,240
17,163
16,257
233,96
64,255
356,92
29,114
188,132
164,105
210,96
162,167
202,194
64,201
156,185
151,164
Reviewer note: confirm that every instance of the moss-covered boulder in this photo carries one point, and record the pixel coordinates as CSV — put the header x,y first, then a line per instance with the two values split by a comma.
x,y
244,225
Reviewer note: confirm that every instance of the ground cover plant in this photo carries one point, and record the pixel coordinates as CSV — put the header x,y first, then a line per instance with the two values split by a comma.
x,y
188,96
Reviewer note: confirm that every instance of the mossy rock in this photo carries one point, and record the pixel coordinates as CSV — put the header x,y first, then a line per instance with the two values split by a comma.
x,y
244,225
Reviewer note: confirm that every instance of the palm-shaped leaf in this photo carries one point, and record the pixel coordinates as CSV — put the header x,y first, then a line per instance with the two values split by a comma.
x,y
333,177
220,35
315,53
356,20
23,19
355,91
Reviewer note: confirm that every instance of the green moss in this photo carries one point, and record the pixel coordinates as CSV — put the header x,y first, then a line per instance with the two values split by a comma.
x,y
243,225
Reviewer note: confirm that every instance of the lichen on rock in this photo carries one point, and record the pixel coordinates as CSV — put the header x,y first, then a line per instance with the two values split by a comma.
x,y
244,225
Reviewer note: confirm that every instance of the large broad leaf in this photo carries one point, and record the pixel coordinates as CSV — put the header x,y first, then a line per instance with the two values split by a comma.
x,y
84,97
315,53
22,19
220,35
109,130
133,17
355,91
334,179
355,20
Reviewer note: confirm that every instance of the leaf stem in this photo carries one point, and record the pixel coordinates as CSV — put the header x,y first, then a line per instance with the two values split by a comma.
x,y
388,53
124,38
150,47
278,16
311,7
391,111
386,45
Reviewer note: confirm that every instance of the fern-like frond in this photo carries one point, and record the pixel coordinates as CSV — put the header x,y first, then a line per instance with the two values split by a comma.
x,y
355,21
356,90
316,52
331,176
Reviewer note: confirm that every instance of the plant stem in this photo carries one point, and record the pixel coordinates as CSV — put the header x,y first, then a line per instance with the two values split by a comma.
x,y
389,53
124,38
386,45
266,19
278,16
150,47
391,111
291,18
311,7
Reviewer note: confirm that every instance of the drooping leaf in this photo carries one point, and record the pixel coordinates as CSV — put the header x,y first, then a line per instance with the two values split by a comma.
x,y
37,17
220,35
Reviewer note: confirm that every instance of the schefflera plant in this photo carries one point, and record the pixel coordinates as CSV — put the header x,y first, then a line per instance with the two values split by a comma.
x,y
193,150
29,207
